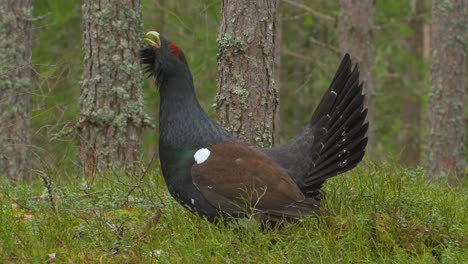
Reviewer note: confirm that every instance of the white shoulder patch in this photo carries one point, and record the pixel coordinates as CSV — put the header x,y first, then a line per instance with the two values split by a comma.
x,y
201,155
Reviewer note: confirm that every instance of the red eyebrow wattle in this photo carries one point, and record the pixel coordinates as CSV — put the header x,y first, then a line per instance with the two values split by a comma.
x,y
175,49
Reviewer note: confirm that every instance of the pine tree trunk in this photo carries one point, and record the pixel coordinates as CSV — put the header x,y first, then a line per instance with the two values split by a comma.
x,y
15,84
356,24
277,69
111,104
410,139
448,84
247,90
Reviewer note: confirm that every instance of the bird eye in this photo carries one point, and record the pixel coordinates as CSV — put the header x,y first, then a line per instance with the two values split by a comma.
x,y
174,49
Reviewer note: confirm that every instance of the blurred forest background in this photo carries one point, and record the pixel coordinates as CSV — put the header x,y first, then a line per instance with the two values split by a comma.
x,y
310,55
384,212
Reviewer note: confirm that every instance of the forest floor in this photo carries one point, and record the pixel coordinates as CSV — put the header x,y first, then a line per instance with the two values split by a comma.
x,y
378,214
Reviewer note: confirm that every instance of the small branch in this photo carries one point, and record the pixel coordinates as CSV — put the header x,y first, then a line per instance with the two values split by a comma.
x,y
298,55
153,221
320,15
132,189
324,45
305,58
76,196
17,202
47,180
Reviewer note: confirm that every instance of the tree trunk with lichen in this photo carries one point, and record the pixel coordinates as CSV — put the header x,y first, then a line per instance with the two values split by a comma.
x,y
278,61
247,90
15,83
356,24
111,105
448,84
411,106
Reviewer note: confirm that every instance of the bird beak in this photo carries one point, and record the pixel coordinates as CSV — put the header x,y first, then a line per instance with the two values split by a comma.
x,y
152,39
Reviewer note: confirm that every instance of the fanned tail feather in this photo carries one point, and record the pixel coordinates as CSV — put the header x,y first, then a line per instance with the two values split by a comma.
x,y
339,129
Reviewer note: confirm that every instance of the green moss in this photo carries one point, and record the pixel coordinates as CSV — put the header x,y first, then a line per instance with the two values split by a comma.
x,y
242,93
263,99
263,135
219,99
228,45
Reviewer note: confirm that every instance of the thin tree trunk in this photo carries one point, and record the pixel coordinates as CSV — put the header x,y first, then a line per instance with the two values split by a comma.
x,y
15,84
410,139
356,35
111,104
277,70
247,91
448,84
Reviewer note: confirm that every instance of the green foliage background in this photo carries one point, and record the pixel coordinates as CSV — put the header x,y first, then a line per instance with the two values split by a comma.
x,y
378,213
306,71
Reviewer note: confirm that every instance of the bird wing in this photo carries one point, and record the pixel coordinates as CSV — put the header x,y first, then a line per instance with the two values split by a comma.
x,y
236,175
335,138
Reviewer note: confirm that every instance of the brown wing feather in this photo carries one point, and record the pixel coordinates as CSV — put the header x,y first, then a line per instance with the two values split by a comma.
x,y
235,173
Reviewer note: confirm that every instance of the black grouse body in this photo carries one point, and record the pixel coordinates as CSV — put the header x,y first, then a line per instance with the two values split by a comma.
x,y
211,173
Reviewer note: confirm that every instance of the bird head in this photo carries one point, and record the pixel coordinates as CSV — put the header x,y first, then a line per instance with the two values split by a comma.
x,y
161,57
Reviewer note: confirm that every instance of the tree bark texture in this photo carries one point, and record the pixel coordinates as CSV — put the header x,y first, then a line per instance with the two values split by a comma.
x,y
15,84
356,24
448,87
247,96
111,104
277,70
410,138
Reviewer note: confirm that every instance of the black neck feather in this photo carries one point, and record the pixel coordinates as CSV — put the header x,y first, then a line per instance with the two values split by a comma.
x,y
182,121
